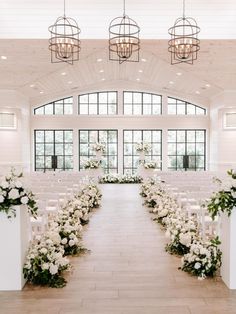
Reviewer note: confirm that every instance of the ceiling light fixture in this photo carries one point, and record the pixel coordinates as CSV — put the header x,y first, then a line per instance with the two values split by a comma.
x,y
184,43
63,73
140,71
179,73
32,85
41,92
101,71
144,60
197,92
124,42
171,82
64,43
208,85
3,57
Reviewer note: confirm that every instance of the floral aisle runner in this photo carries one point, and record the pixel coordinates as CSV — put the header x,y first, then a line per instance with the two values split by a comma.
x,y
47,258
200,257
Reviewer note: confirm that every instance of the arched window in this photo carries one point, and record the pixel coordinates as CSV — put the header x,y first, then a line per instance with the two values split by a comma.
x,y
139,103
59,107
182,107
99,103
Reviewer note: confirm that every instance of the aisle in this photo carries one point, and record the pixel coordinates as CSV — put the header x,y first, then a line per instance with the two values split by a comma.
x,y
127,271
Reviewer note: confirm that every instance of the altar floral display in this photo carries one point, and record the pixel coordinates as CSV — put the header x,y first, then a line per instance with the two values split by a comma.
x,y
115,178
92,164
201,257
143,147
225,199
99,147
46,259
13,193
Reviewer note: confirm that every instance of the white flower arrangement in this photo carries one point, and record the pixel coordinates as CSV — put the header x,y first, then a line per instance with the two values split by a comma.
x,y
143,147
45,261
150,165
92,164
13,193
203,259
99,147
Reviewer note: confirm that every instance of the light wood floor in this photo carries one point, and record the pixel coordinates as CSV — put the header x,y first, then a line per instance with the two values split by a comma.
x,y
127,271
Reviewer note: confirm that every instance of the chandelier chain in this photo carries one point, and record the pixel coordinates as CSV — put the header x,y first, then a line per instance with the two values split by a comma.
x,y
64,8
183,9
124,8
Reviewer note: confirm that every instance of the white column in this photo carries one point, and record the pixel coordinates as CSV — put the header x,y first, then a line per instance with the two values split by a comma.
x,y
14,243
228,247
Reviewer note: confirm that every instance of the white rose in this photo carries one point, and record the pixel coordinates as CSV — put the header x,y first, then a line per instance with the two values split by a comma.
x,y
24,200
18,184
44,250
1,199
45,266
71,242
217,201
53,269
197,265
64,241
4,184
14,194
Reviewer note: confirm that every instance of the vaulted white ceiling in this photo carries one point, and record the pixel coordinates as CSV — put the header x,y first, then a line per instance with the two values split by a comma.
x,y
24,40
31,18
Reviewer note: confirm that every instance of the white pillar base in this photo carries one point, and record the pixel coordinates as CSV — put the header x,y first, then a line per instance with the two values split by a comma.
x,y
228,247
14,243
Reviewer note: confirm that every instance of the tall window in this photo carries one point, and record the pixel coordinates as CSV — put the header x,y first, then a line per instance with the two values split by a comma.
x,y
53,150
137,103
131,156
87,139
186,149
58,107
181,107
102,103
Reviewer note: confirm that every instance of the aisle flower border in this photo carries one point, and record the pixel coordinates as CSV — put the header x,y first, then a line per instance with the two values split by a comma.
x,y
47,259
199,257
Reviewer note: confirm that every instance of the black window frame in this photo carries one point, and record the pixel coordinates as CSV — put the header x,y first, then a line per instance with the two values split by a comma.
x,y
176,168
186,103
54,103
106,155
54,145
134,169
98,104
142,103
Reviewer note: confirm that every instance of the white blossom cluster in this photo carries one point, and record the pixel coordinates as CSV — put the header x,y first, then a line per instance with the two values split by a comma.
x,y
143,147
99,147
150,165
13,192
92,164
115,178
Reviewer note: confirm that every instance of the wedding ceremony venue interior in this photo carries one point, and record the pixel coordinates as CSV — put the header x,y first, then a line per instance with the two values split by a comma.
x,y
118,157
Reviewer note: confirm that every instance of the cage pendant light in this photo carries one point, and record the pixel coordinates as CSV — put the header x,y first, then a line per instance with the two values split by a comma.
x,y
124,42
64,43
184,43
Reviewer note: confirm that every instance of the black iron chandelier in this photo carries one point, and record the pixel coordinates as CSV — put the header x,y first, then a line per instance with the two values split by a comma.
x,y
184,43
64,43
124,42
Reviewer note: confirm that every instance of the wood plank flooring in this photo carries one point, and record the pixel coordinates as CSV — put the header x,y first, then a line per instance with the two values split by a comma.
x,y
126,272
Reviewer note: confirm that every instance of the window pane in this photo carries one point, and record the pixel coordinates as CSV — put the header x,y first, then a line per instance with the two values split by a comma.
x,y
59,149
83,109
49,149
191,136
68,109
93,109
180,136
39,149
103,109
191,109
128,109
49,109
58,136
39,110
58,108
39,136
128,98
171,109
49,138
